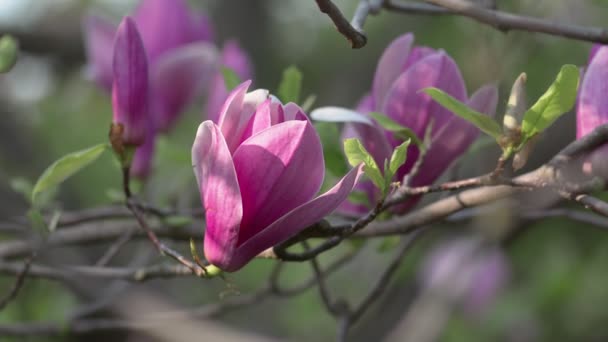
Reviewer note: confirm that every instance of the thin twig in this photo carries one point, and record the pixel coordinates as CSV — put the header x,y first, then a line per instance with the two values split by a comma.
x,y
385,278
356,38
18,283
334,308
115,247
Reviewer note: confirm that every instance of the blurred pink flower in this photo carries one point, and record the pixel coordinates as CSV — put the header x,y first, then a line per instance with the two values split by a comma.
x,y
402,72
592,107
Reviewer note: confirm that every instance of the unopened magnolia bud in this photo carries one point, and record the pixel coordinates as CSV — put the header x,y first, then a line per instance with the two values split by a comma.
x,y
516,107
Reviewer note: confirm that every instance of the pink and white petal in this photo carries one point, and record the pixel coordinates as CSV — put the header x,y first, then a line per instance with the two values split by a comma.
x,y
236,112
390,66
278,169
297,219
339,114
178,77
592,109
99,41
220,194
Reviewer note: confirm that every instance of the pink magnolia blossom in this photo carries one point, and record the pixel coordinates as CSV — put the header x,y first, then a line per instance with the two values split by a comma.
x,y
402,72
182,62
258,171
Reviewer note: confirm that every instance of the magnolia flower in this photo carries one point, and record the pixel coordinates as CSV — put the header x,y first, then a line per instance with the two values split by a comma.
x,y
402,72
130,84
592,107
182,63
258,171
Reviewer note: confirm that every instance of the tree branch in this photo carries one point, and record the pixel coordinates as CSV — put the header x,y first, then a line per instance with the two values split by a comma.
x,y
507,21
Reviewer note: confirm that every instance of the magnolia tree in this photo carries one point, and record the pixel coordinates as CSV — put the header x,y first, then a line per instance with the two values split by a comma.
x,y
282,179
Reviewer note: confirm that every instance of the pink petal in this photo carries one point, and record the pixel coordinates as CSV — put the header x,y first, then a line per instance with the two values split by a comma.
x,y
237,110
220,193
131,84
99,40
390,66
366,104
296,220
294,112
164,25
592,109
418,53
278,169
201,29
259,121
412,108
235,58
178,76
594,49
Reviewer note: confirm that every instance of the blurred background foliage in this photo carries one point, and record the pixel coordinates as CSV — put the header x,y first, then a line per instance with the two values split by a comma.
x,y
558,269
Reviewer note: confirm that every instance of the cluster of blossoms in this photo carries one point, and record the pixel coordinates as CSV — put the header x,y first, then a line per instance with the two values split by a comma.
x,y
259,163
154,64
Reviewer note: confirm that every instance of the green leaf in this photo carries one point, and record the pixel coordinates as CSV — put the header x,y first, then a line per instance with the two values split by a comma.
x,y
290,86
397,160
22,186
65,167
9,49
557,100
357,154
309,102
231,79
396,128
485,123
